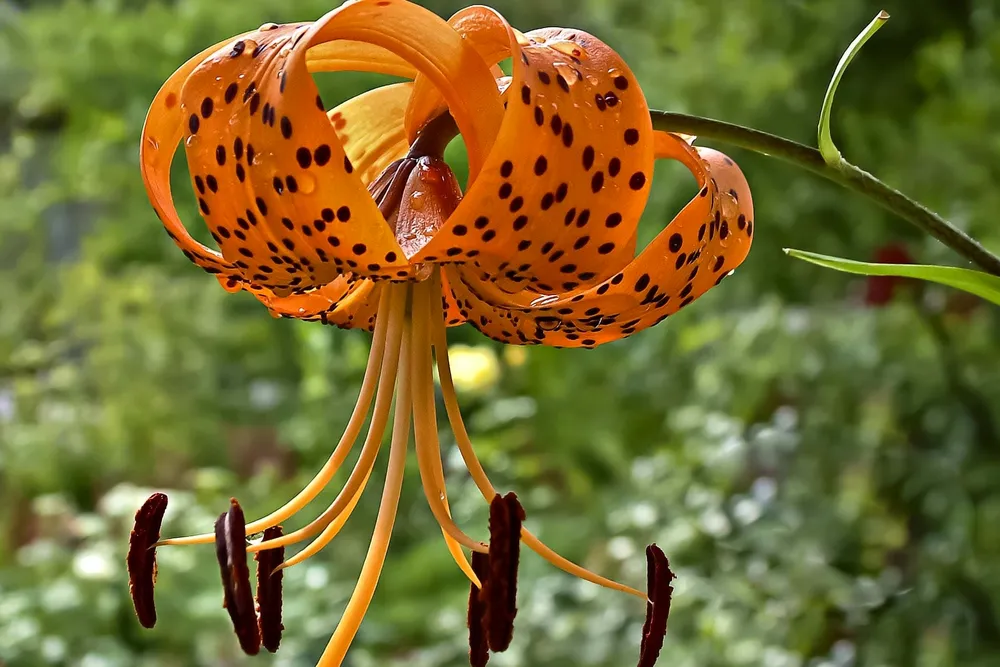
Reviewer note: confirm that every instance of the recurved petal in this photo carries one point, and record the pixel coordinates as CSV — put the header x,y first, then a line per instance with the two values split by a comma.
x,y
709,238
269,167
453,315
347,55
435,50
348,302
162,131
371,128
560,195
490,35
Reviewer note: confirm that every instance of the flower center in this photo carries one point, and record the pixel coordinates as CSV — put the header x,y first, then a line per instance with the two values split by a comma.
x,y
417,193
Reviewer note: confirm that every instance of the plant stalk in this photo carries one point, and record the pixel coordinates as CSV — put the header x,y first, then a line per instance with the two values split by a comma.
x,y
844,173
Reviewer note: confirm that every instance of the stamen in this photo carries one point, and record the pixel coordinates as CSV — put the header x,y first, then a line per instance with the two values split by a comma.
x,y
506,515
478,629
654,630
330,532
230,548
269,592
141,559
335,651
426,435
479,474
339,455
348,496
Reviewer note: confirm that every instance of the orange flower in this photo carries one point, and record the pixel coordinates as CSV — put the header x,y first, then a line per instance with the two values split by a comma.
x,y
352,217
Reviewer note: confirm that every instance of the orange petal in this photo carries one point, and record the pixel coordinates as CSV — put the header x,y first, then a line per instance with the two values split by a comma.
x,y
349,56
453,315
435,50
560,195
272,177
347,302
490,35
161,133
371,129
709,238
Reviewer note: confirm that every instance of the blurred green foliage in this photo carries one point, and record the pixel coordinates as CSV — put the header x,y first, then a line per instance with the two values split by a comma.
x,y
822,475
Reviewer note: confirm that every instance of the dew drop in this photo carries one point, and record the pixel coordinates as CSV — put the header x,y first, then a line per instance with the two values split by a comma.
x,y
549,323
307,183
190,141
417,201
567,72
571,49
730,207
544,300
509,285
423,271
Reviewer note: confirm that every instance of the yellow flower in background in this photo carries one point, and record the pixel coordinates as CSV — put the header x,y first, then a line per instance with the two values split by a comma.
x,y
473,368
352,217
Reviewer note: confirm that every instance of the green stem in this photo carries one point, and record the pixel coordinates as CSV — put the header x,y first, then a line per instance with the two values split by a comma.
x,y
845,174
826,146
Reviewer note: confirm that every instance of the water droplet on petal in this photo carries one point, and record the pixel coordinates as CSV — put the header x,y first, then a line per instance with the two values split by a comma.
x,y
730,207
509,285
571,49
549,323
423,271
567,72
417,201
544,300
307,183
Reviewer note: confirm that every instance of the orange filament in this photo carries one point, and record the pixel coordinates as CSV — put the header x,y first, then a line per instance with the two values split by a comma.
x,y
369,451
425,432
347,440
361,598
479,474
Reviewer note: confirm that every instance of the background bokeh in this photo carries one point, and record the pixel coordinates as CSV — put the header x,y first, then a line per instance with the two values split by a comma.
x,y
823,473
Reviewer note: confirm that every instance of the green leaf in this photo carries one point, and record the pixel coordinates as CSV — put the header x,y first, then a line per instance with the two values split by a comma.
x,y
826,146
974,282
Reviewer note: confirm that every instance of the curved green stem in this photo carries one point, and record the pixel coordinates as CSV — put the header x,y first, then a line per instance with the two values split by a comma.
x,y
845,174
827,148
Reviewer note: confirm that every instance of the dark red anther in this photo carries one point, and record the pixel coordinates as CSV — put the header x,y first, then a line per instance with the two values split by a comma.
x,y
659,590
506,515
269,591
141,558
478,619
231,549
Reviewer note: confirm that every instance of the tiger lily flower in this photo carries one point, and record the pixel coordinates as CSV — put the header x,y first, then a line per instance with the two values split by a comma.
x,y
352,217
